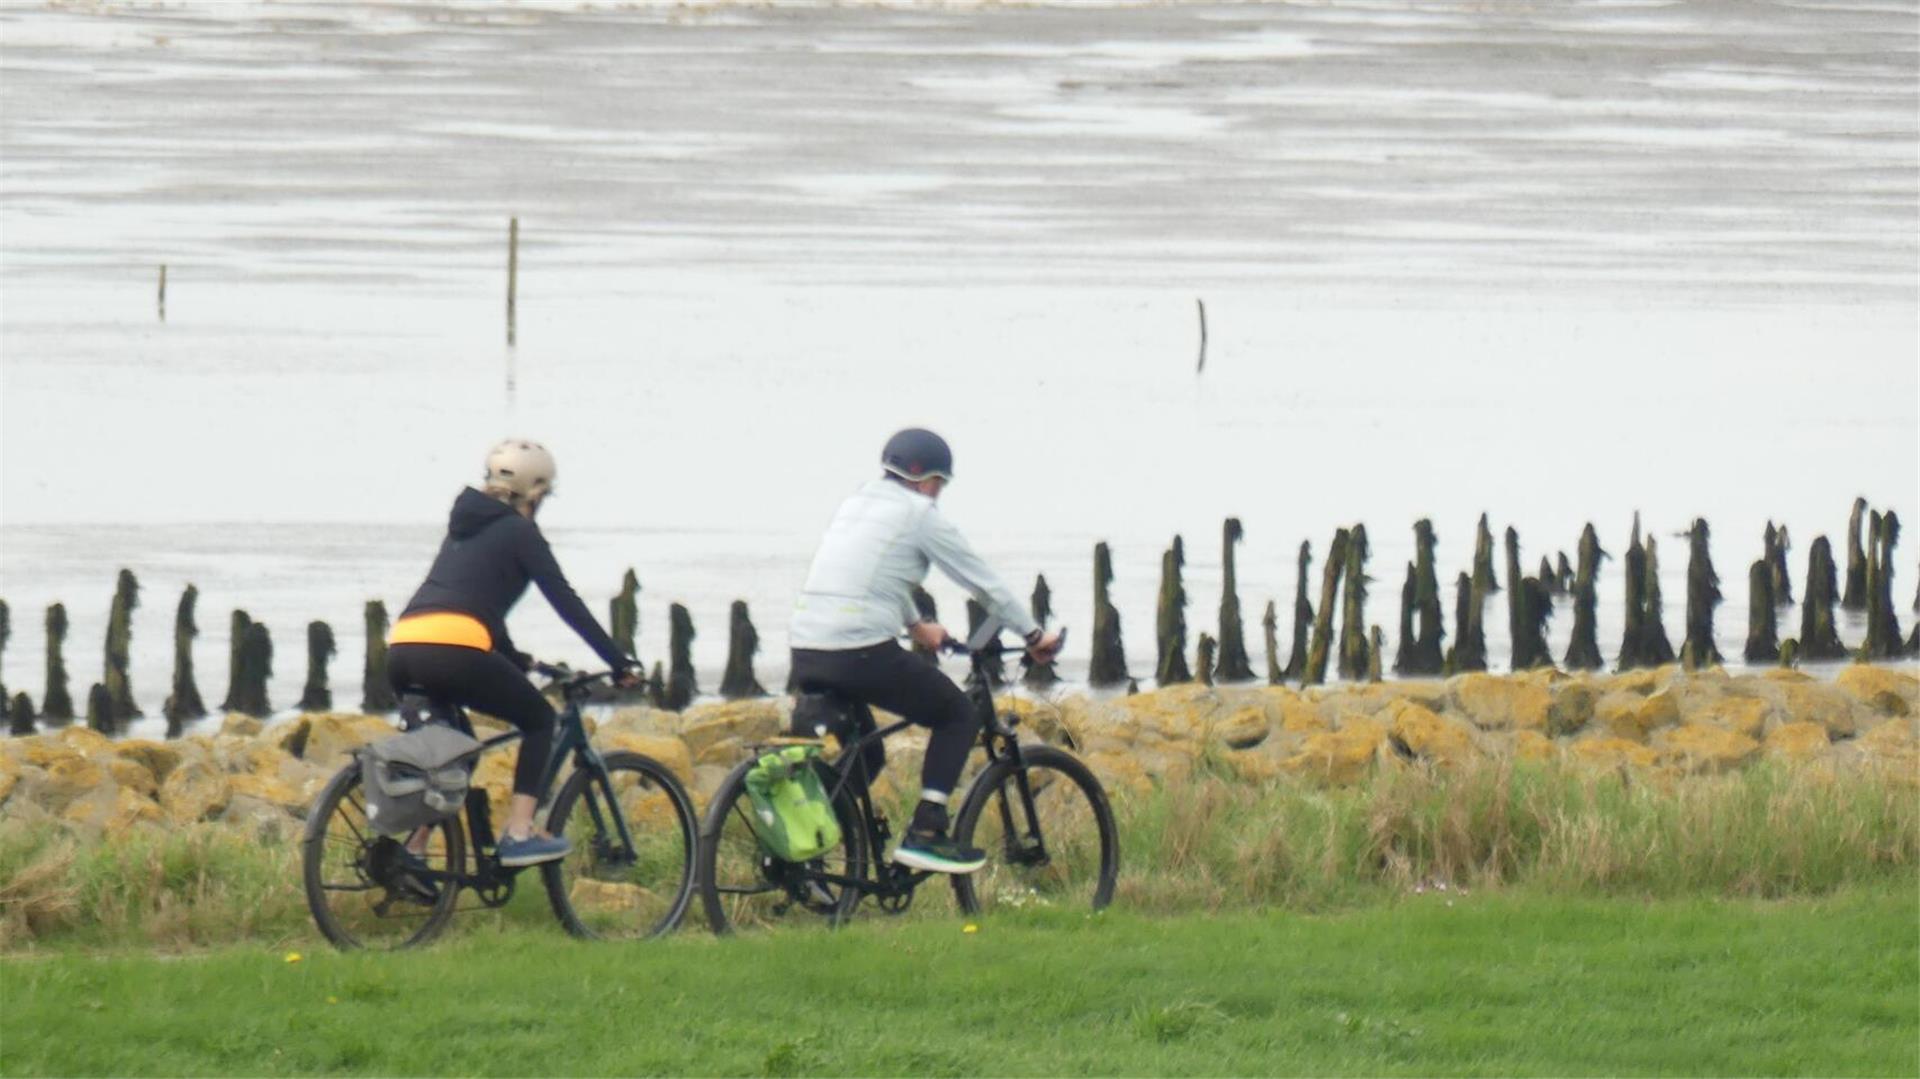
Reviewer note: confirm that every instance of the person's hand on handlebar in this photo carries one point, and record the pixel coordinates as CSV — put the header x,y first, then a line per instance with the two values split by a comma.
x,y
1044,645
928,635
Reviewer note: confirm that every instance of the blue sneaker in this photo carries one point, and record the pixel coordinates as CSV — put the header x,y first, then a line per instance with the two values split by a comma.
x,y
531,850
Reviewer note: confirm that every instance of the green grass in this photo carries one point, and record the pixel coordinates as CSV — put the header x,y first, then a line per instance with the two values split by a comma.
x,y
1208,845
1510,983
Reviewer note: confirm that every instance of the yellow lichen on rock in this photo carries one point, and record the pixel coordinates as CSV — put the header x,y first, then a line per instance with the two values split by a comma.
x,y
742,722
1797,741
332,736
1244,728
1816,702
1532,746
1886,692
1429,735
1341,756
195,791
1613,752
158,758
668,750
1701,747
1743,715
1491,702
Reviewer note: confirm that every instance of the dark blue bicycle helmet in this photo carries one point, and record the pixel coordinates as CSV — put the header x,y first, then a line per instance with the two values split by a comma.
x,y
916,454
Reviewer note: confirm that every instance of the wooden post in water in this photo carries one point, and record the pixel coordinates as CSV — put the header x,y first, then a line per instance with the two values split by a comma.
x,y
997,668
56,705
20,715
163,292
1270,633
184,703
657,687
1040,676
1549,579
513,278
1170,618
256,666
1644,642
681,686
1322,647
1353,604
929,612
1565,573
100,711
1883,626
236,644
623,615
1202,365
1855,597
1483,576
1818,638
1779,585
1703,595
1583,651
1234,666
1536,606
1109,665
376,689
1407,590
1376,645
1429,619
1302,618
743,642
1204,659
1469,651
317,695
6,631
1520,655
118,677
1763,636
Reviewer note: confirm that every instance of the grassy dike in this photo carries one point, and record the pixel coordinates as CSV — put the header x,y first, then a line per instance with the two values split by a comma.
x,y
1511,983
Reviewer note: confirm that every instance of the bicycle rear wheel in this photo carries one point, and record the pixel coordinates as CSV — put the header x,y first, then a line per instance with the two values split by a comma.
x,y
1060,850
742,886
605,889
363,888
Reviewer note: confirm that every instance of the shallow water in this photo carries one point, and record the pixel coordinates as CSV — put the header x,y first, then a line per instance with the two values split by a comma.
x,y
1555,262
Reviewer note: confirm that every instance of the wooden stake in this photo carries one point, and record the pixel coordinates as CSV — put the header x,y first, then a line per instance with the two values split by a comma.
x,y
513,275
163,292
1202,304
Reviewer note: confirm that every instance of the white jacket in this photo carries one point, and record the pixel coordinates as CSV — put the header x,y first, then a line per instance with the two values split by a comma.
x,y
859,591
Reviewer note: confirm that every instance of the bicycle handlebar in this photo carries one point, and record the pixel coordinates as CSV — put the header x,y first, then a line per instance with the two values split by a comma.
x,y
569,680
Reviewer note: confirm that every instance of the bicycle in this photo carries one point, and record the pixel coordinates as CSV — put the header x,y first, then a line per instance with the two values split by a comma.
x,y
629,875
1039,813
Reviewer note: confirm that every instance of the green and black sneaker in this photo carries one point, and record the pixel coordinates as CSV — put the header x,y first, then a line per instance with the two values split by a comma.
x,y
937,854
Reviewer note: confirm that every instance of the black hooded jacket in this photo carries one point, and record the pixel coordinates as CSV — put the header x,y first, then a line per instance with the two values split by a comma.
x,y
483,567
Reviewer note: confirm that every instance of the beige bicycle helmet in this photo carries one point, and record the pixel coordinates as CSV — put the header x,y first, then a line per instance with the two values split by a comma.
x,y
522,468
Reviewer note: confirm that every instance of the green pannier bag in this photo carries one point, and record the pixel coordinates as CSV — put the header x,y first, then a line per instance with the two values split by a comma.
x,y
791,813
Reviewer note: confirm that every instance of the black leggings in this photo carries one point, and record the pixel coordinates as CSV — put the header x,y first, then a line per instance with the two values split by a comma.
x,y
887,676
485,682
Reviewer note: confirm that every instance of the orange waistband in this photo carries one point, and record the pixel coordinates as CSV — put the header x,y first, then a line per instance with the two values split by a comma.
x,y
442,627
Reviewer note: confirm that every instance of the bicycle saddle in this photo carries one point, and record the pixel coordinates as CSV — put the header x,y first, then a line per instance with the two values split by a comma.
x,y
817,714
419,708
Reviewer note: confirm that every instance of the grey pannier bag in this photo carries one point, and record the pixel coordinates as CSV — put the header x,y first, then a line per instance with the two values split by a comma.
x,y
418,778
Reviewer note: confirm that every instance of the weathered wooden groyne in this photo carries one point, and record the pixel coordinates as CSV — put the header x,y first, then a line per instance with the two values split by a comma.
x,y
1335,633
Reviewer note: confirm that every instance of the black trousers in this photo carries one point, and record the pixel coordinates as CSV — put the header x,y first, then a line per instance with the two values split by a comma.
x,y
888,676
485,682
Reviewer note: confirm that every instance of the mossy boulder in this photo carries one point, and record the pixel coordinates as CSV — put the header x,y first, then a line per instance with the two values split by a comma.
x,y
1624,715
1703,747
1797,741
243,725
333,735
1613,753
1570,709
1429,735
1343,756
665,748
1533,746
1746,716
158,758
1817,702
742,722
1885,692
195,791
1491,702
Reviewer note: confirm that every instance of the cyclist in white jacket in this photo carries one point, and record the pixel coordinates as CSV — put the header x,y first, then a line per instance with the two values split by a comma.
x,y
859,595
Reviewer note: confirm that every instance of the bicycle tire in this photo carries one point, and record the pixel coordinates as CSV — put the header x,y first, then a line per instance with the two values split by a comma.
x,y
319,846
1003,881
727,841
636,887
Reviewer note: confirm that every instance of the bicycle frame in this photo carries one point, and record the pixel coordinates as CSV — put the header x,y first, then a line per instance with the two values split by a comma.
x,y
570,743
1000,742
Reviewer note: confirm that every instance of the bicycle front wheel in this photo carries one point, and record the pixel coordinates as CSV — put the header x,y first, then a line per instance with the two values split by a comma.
x,y
742,885
610,888
367,890
1052,845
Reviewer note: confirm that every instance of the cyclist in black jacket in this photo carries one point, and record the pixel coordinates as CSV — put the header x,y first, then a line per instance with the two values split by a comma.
x,y
452,642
